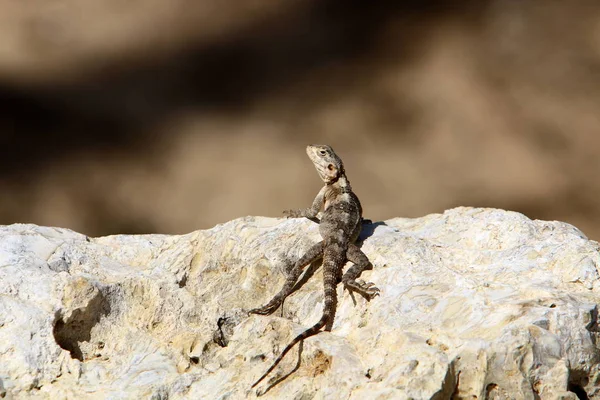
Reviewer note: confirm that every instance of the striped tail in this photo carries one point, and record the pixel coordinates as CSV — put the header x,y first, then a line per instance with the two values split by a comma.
x,y
330,283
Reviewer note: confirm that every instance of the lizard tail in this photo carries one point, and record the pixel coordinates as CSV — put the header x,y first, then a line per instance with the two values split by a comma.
x,y
307,333
329,280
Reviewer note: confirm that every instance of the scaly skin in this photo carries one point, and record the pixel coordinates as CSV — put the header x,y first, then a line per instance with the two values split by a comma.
x,y
339,226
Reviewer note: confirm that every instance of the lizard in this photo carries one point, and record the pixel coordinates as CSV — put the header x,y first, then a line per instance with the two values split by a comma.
x,y
340,225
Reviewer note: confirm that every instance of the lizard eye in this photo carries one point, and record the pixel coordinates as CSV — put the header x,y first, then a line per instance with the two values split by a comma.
x,y
322,152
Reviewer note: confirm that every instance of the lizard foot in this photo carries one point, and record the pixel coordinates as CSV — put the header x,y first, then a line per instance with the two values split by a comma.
x,y
292,213
265,310
366,290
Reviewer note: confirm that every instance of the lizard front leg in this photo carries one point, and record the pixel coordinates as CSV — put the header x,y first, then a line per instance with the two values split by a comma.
x,y
309,257
361,263
310,212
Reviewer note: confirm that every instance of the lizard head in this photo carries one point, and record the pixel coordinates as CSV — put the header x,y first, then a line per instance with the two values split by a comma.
x,y
328,164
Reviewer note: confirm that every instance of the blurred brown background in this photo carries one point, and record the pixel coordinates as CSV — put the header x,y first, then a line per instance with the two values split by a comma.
x,y
174,115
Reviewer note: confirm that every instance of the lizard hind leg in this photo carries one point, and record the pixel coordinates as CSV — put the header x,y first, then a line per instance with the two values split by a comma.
x,y
349,279
314,253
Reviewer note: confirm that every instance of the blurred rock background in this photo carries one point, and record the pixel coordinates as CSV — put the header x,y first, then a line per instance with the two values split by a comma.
x,y
174,115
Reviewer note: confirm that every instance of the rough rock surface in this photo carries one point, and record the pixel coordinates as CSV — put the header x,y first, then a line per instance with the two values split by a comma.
x,y
475,304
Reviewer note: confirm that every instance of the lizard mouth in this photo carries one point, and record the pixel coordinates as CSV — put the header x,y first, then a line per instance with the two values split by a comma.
x,y
311,151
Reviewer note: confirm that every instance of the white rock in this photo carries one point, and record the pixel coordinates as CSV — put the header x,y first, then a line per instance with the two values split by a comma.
x,y
475,303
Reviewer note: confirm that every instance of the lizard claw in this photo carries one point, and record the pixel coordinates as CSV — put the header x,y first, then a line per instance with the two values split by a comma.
x,y
367,290
292,213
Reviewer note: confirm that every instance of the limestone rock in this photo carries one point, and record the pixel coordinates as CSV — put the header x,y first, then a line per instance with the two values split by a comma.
x,y
475,303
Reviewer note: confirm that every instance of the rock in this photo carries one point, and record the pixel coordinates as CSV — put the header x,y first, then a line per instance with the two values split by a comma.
x,y
475,303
